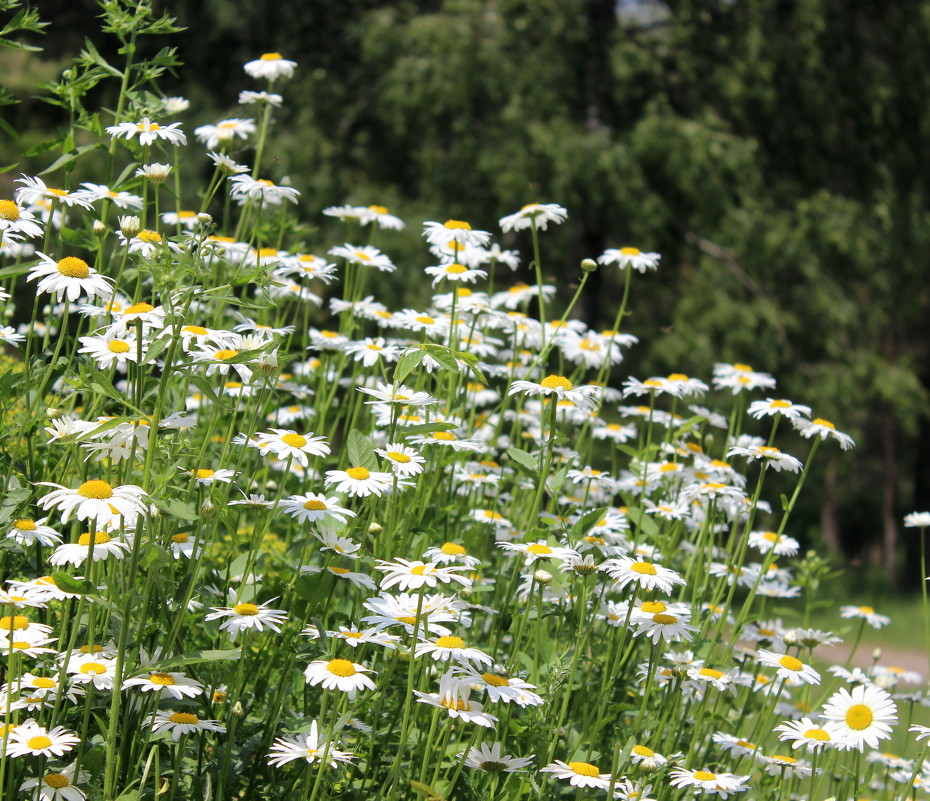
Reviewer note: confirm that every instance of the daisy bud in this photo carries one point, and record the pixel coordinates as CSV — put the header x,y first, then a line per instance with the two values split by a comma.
x,y
207,508
54,414
589,265
542,576
205,219
877,654
268,363
156,173
708,442
99,228
791,637
375,529
130,226
237,710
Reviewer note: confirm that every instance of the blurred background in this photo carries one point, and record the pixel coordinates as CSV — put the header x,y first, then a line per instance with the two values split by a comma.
x,y
773,151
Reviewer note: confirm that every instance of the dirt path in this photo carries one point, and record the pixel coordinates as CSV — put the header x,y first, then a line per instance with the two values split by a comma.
x,y
907,658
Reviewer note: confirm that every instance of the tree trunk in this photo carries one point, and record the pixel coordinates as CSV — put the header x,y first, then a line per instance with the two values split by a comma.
x,y
889,513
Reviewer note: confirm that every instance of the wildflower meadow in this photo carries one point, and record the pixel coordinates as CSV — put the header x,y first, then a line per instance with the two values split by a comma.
x,y
263,537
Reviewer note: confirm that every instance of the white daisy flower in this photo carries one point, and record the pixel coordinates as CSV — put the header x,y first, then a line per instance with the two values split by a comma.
x,y
224,132
35,740
864,715
647,575
456,231
245,616
76,553
537,215
630,257
287,444
271,67
866,613
359,481
96,500
412,575
69,276
181,723
578,774
148,132
804,733
491,759
244,187
308,747
177,685
792,670
772,406
584,397
339,674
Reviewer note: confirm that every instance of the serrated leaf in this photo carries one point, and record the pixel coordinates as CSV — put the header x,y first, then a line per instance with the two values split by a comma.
x,y
361,454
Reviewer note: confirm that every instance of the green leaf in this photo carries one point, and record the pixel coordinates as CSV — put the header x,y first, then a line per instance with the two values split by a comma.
x,y
67,158
425,428
407,363
587,520
444,356
361,454
67,583
522,457
176,508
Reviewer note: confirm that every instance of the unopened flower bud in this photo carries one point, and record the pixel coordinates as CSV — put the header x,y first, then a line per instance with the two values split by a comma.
x,y
791,637
207,509
130,226
375,529
205,219
237,710
268,363
99,228
156,173
54,414
877,654
542,576
588,265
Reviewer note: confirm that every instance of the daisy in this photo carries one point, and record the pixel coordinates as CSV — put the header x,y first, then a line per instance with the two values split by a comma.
x,y
454,699
339,674
537,215
26,531
537,550
16,222
380,216
499,686
34,190
455,272
76,554
93,669
917,520
738,377
645,756
648,575
792,670
578,774
95,500
456,231
369,350
244,187
122,200
315,507
630,257
271,67
770,455
405,461
181,723
491,759
766,541
113,348
148,132
287,444
804,733
308,747
560,387
177,685
665,627
155,172
397,394
866,613
412,575
31,738
786,766
703,781
224,132
366,256
359,481
864,715
57,785
390,610
450,553
771,407
818,427
447,648
69,276
244,616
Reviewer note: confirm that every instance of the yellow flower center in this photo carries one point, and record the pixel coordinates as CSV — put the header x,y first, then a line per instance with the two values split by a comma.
x,y
93,669
458,704
451,549
358,473
339,571
867,610
118,346
584,768
746,744
139,308
148,236
184,717
408,619
181,538
38,743
203,472
643,568
555,382
96,489
196,330
457,224
445,436
450,642
664,620
630,251
495,681
73,267
817,734
784,759
247,610
378,209
780,404
43,683
56,192
315,506
403,458
9,210
705,776
162,679
653,607
641,750
271,57
859,717
539,549
678,377
425,319
711,673
294,440
791,663
455,269
56,780
819,421
24,525
223,355
341,667
100,538
419,570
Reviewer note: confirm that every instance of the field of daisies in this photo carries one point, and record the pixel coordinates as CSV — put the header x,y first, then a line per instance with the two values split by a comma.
x,y
265,538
